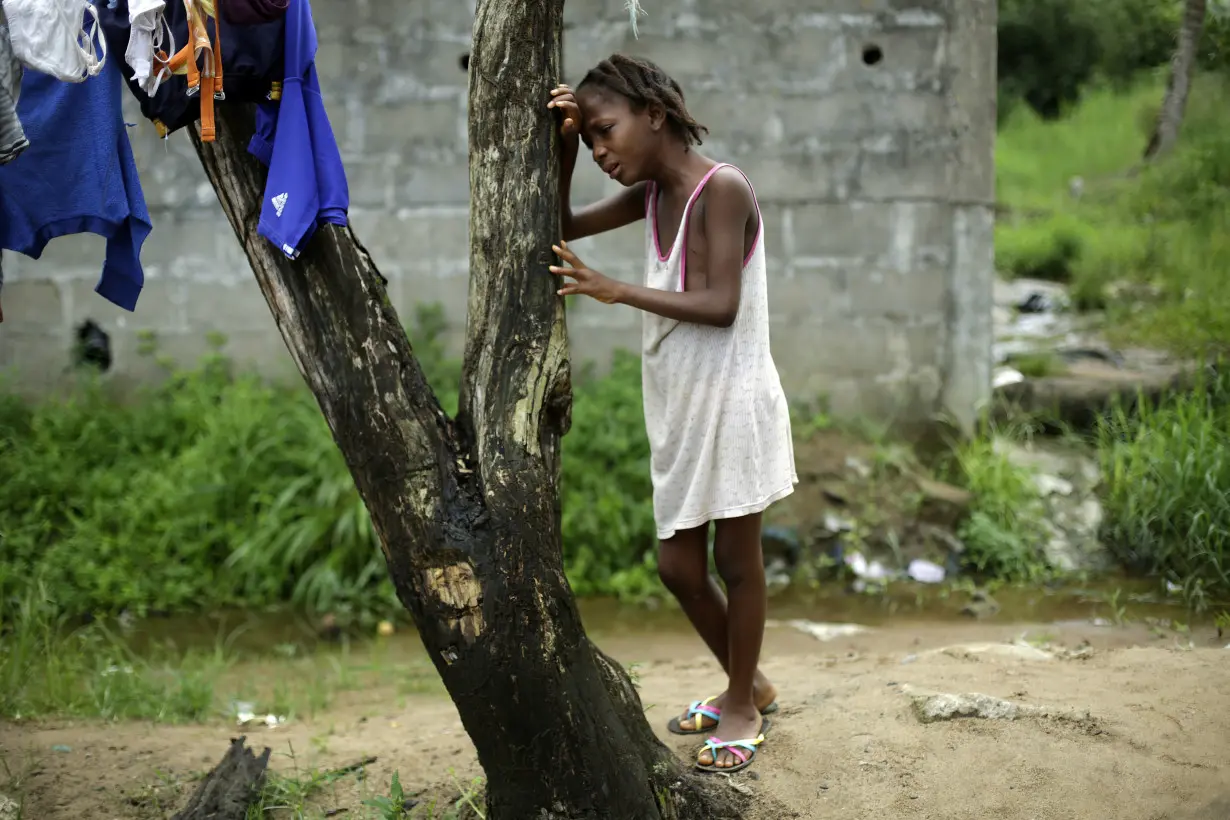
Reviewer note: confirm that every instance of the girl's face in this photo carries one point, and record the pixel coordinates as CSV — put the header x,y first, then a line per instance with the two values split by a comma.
x,y
624,142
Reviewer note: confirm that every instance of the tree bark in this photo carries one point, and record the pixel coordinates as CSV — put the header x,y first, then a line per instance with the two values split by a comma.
x,y
1178,86
467,509
229,790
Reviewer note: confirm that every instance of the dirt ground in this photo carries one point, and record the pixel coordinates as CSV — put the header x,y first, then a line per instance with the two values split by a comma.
x,y
1149,740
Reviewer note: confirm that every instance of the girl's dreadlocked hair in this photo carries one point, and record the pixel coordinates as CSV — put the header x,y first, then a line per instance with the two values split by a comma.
x,y
643,82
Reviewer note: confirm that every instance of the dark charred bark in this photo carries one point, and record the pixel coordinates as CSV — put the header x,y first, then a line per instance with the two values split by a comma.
x,y
467,510
229,790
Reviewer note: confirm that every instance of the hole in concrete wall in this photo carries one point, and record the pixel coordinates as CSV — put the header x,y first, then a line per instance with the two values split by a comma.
x,y
464,61
872,54
93,347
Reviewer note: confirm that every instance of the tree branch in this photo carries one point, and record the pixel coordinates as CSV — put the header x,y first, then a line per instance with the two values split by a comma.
x,y
516,389
344,335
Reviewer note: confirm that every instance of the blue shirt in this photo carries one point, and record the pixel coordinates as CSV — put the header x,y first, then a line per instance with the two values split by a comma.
x,y
77,176
306,186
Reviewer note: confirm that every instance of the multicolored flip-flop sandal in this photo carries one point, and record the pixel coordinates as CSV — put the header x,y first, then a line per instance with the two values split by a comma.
x,y
703,709
743,750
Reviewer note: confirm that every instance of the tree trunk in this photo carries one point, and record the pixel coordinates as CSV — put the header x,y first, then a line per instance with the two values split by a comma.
x,y
467,510
1178,86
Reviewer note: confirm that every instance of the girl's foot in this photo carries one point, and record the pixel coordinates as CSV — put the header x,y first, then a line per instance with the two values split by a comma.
x,y
764,695
740,728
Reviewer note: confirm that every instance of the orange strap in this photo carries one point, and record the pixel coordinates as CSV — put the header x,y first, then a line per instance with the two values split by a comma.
x,y
185,61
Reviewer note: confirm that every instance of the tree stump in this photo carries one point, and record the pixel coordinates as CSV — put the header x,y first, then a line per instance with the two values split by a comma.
x,y
231,787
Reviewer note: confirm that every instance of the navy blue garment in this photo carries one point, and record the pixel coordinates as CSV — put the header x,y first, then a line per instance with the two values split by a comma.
x,y
77,176
251,62
306,187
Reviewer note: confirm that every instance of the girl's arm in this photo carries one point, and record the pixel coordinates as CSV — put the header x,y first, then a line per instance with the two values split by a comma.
x,y
714,299
607,214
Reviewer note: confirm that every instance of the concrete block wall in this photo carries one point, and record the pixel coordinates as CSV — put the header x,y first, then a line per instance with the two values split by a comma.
x,y
866,126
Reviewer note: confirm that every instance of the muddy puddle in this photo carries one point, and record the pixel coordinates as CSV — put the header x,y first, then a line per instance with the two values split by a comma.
x,y
900,605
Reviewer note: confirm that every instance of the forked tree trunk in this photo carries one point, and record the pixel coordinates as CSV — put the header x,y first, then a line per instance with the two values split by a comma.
x,y
467,509
1179,85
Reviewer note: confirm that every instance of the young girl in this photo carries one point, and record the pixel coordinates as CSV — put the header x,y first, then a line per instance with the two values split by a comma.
x,y
718,423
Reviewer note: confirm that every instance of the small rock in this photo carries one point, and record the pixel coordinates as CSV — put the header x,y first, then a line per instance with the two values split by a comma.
x,y
60,747
932,536
822,631
930,707
1036,302
980,605
835,524
942,505
9,808
782,544
1023,651
1052,485
858,467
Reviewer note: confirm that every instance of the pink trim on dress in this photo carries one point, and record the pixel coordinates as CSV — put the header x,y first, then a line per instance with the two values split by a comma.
x,y
683,262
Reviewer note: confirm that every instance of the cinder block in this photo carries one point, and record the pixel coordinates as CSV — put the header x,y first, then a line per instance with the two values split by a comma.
x,y
429,237
433,58
372,181
907,166
32,362
842,230
424,286
427,184
803,173
226,307
900,295
595,346
162,306
853,115
33,305
808,296
419,128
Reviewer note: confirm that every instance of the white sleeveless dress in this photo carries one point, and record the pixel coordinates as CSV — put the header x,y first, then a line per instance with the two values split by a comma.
x,y
715,411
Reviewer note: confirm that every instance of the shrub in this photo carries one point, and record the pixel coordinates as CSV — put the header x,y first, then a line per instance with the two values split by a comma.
x,y
1004,532
1048,50
1166,469
1038,250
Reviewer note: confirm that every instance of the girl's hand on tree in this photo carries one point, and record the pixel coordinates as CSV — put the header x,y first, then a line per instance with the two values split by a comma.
x,y
587,282
563,101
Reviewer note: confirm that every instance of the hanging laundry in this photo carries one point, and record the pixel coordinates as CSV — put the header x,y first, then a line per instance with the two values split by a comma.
x,y
249,56
201,61
306,186
49,36
77,176
12,136
254,12
147,27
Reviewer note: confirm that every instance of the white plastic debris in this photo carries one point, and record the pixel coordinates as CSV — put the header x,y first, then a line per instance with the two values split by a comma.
x,y
245,714
1005,376
823,631
873,571
925,572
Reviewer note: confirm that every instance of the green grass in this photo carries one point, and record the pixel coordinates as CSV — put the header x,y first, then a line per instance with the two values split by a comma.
x,y
1152,248
1167,470
48,667
1004,531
